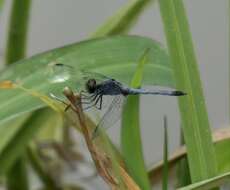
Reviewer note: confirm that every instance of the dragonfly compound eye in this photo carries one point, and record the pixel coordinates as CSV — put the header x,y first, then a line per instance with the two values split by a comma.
x,y
91,85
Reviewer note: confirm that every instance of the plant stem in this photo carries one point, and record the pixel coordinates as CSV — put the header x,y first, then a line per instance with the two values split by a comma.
x,y
16,43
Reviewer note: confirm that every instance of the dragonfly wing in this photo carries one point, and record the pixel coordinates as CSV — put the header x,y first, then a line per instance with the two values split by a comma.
x,y
86,75
72,76
112,114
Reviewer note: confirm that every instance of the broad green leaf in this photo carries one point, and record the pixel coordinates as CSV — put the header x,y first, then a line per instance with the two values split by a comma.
x,y
115,57
196,128
130,131
19,137
123,19
209,183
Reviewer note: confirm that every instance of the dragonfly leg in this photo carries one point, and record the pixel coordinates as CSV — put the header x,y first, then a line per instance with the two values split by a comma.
x,y
93,98
100,104
86,95
90,99
96,99
95,131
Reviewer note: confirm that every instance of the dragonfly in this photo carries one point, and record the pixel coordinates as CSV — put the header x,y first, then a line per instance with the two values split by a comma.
x,y
97,86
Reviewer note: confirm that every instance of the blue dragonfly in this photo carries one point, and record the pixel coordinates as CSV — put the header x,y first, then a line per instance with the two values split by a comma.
x,y
97,86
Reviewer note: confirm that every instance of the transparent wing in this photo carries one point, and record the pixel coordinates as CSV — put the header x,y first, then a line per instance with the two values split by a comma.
x,y
72,76
112,114
76,79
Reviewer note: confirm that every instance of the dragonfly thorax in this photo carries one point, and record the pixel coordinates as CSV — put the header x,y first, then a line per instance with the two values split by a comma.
x,y
91,85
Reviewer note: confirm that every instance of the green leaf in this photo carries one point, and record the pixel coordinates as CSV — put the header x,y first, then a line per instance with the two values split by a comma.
x,y
1,4
123,19
196,129
16,139
221,144
130,131
115,56
183,175
223,155
209,183
16,44
17,177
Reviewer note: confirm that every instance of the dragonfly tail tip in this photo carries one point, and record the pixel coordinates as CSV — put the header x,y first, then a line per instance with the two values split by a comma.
x,y
179,93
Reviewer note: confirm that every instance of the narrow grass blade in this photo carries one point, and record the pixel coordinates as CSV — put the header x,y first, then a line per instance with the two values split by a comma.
x,y
209,183
16,44
221,143
183,175
123,19
1,4
201,155
130,132
17,177
16,48
165,166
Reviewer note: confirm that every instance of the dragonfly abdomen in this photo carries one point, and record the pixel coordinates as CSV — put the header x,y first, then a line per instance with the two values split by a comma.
x,y
133,91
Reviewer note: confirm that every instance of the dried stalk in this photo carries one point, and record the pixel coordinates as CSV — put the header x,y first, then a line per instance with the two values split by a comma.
x,y
102,162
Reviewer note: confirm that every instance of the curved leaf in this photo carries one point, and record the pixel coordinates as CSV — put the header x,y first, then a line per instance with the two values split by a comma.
x,y
123,19
113,56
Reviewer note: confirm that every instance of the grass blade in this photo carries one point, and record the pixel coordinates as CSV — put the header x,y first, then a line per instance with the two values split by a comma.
x,y
1,4
201,155
165,166
17,177
16,44
123,19
130,132
16,48
221,142
183,176
209,183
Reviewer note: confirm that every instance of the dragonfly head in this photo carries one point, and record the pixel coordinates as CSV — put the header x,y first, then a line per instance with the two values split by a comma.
x,y
91,85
